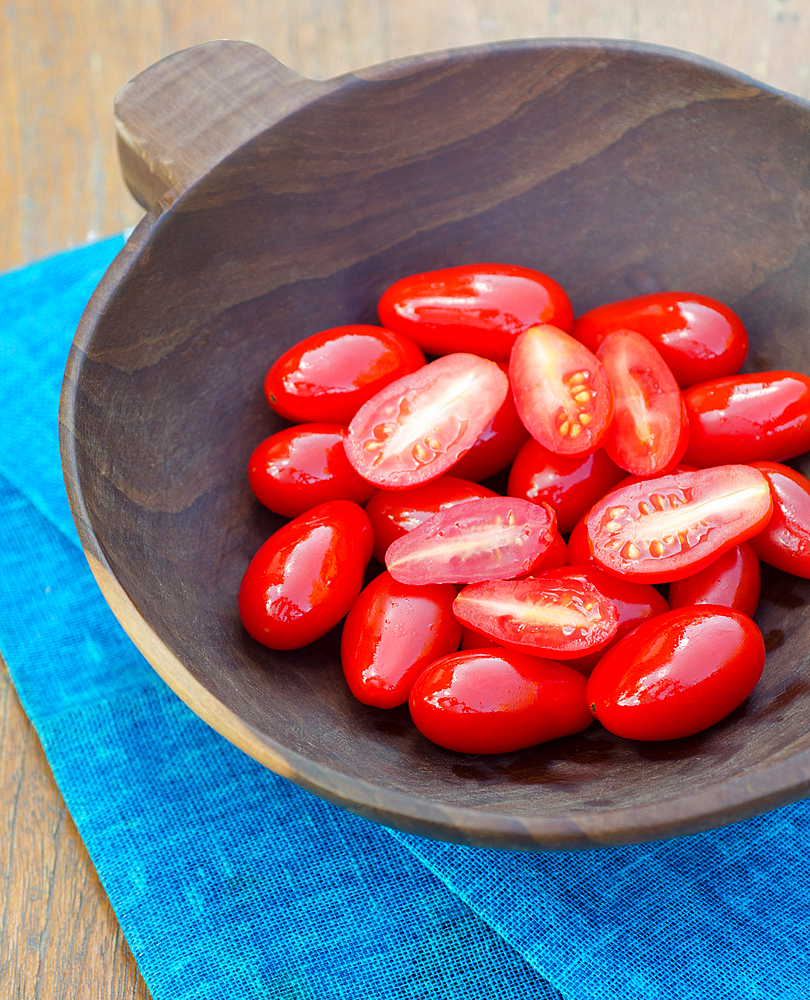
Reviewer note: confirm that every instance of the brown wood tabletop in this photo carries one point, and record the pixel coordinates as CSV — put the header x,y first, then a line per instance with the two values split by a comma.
x,y
61,64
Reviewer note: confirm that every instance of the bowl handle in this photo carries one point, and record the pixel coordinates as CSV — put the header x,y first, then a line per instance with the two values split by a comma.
x,y
178,118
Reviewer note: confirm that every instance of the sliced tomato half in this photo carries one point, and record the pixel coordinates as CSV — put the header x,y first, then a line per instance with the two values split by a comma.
x,y
561,391
666,529
414,429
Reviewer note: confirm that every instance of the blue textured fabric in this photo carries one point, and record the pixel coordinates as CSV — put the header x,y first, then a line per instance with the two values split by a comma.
x,y
229,882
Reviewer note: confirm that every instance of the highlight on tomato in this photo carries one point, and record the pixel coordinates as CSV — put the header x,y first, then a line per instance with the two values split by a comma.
x,y
474,308
416,428
490,539
732,581
784,542
392,632
497,701
664,529
561,391
698,337
677,674
650,430
328,376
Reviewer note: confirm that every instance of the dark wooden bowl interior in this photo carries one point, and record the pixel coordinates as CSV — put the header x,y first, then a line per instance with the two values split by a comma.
x,y
617,169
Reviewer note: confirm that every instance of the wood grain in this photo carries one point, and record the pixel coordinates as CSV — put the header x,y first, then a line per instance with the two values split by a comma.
x,y
61,64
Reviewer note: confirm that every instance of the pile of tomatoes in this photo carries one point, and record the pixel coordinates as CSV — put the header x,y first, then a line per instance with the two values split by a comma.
x,y
627,430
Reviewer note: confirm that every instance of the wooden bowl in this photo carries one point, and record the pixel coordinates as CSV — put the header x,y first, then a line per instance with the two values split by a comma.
x,y
279,206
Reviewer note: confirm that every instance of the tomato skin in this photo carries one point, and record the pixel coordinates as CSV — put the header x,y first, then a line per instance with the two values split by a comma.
x,y
497,701
328,376
477,308
392,632
492,539
733,581
306,576
561,391
785,541
571,484
665,529
764,417
303,466
698,337
416,428
677,674
497,444
650,429
393,514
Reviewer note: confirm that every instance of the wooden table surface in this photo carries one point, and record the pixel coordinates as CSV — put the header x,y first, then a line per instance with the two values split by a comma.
x,y
61,63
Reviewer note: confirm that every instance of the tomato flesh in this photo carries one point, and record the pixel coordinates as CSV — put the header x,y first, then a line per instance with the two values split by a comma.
x,y
497,701
678,674
490,539
665,529
561,391
732,581
784,542
416,428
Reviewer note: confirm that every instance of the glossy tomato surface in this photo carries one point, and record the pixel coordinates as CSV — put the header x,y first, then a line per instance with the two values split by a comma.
x,y
561,391
732,581
392,632
392,514
785,541
303,466
560,619
416,428
665,529
650,430
475,308
497,700
497,445
571,484
677,674
763,417
698,337
306,576
492,539
328,376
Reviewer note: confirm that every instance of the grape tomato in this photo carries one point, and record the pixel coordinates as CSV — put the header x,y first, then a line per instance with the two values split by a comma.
x,y
784,542
732,581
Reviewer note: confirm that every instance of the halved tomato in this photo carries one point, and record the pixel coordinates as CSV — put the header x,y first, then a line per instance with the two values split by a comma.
x,y
417,427
561,391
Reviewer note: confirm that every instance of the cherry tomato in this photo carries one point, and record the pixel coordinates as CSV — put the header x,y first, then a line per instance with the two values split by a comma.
x,y
306,576
497,444
492,539
547,617
394,514
650,431
497,701
328,376
303,466
733,581
665,529
571,484
748,418
392,632
561,391
476,308
555,555
579,545
785,541
699,338
416,428
677,674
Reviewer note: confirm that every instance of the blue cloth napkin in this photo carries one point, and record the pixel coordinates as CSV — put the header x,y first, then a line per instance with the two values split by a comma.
x,y
230,882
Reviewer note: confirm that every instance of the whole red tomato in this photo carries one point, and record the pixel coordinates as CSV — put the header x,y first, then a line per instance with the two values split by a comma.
x,y
328,376
303,466
392,632
698,337
677,674
784,542
748,418
733,581
475,308
497,700
306,576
